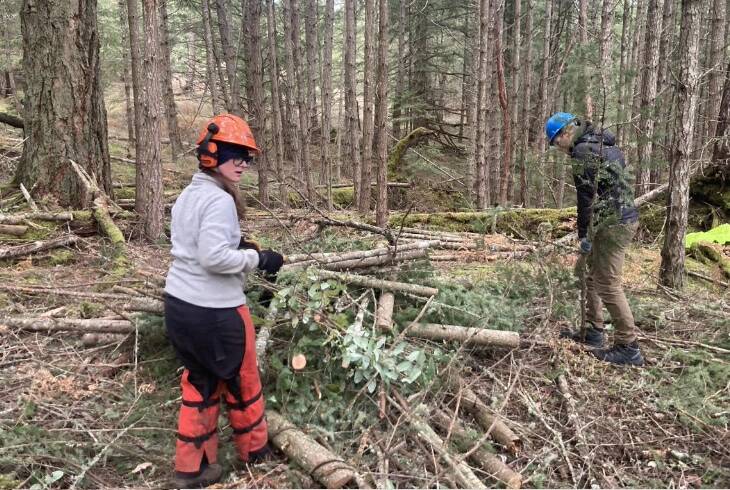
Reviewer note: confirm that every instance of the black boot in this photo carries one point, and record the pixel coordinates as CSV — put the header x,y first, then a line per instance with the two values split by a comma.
x,y
594,336
208,476
622,354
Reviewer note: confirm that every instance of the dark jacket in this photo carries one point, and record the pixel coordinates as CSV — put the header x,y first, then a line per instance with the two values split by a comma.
x,y
605,193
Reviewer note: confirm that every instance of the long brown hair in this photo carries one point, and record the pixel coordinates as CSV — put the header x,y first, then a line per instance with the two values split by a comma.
x,y
232,189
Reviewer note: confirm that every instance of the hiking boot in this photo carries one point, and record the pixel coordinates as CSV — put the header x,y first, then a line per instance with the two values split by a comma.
x,y
210,475
621,354
594,336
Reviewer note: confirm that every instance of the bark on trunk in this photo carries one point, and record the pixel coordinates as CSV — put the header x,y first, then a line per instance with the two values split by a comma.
x,y
649,77
351,112
401,67
149,202
526,109
255,84
480,137
167,83
717,62
721,151
229,53
367,114
277,135
464,335
126,76
327,97
210,70
135,53
301,90
543,103
506,174
381,115
621,102
672,265
64,111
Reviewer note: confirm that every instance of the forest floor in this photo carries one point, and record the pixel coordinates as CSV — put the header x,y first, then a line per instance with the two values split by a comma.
x,y
105,415
101,411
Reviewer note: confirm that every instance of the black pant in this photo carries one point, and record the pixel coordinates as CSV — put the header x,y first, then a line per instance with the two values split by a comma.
x,y
209,342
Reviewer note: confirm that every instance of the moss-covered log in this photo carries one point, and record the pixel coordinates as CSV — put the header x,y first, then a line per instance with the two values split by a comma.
x,y
396,155
525,222
710,253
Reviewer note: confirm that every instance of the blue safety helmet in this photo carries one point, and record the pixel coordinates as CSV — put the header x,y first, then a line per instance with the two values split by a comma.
x,y
556,123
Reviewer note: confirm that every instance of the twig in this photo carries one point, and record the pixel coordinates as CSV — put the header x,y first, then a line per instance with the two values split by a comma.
x,y
27,197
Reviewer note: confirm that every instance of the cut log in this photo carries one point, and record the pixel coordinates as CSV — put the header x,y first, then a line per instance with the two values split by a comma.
x,y
384,314
93,339
482,457
371,282
464,335
132,303
68,325
386,232
17,219
462,473
15,230
372,184
22,250
318,461
490,422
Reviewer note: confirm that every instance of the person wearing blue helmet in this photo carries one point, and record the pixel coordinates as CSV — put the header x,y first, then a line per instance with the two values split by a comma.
x,y
607,222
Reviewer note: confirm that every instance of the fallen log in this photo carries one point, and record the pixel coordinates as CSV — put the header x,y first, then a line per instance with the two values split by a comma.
x,y
47,324
96,338
372,184
22,250
463,474
328,469
490,422
384,313
132,303
371,282
100,211
15,230
17,219
329,257
11,120
464,335
374,261
482,457
386,232
709,253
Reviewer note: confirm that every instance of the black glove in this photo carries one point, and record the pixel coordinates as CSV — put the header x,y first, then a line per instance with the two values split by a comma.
x,y
270,262
248,245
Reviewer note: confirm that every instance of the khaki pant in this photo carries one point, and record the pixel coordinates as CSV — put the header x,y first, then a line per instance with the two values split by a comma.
x,y
603,281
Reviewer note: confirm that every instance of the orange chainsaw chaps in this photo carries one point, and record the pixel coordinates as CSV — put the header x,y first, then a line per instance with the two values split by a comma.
x,y
197,428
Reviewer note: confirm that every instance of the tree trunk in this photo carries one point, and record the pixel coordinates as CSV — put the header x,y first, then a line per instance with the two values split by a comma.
x,y
229,53
329,19
472,43
543,103
128,103
635,71
192,61
506,174
625,21
583,39
311,37
217,56
480,157
292,120
255,88
717,62
210,70
301,90
64,113
276,123
526,107
663,105
149,201
650,64
515,97
167,83
381,116
401,64
605,57
672,265
363,204
351,112
721,151
135,51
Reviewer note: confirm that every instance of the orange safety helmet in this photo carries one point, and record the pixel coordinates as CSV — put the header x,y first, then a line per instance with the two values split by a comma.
x,y
224,128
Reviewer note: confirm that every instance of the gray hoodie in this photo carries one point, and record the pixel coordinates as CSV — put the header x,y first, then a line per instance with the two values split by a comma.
x,y
207,268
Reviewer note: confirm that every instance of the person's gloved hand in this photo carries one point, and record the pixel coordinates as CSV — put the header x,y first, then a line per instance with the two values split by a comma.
x,y
585,246
270,262
249,245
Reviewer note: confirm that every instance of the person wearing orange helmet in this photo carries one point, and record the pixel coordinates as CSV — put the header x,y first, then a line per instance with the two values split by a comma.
x,y
208,322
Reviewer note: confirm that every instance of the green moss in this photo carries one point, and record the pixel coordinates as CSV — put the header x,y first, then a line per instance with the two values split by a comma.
x,y
125,193
61,257
343,196
720,234
90,310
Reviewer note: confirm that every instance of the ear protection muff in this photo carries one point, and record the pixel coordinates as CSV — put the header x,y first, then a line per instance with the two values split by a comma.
x,y
207,150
